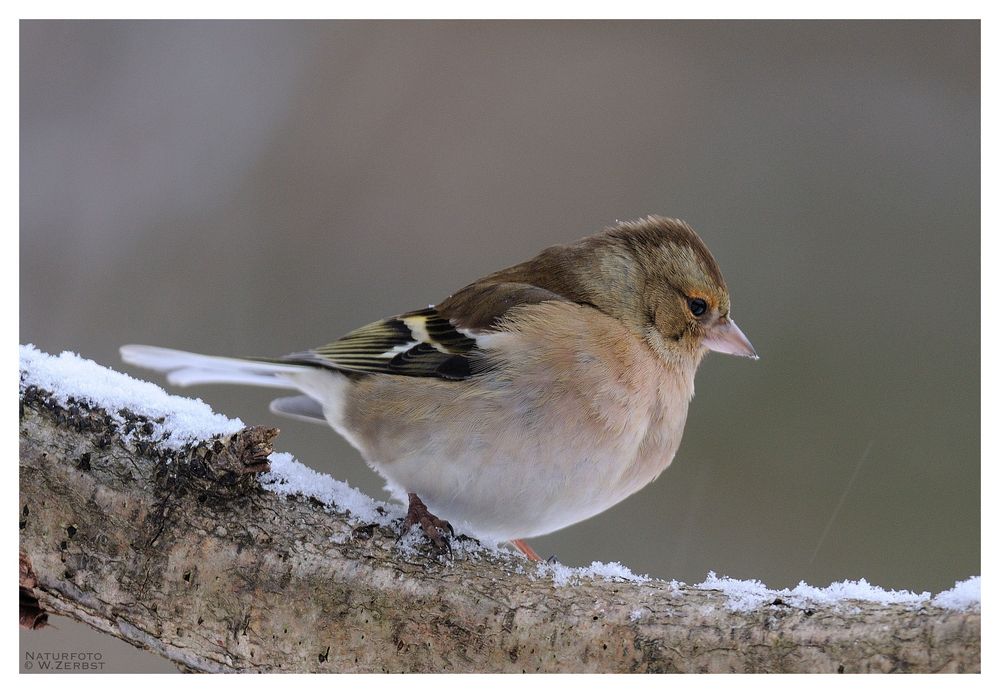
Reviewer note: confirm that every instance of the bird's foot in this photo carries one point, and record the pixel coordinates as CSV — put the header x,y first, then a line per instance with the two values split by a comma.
x,y
522,546
434,527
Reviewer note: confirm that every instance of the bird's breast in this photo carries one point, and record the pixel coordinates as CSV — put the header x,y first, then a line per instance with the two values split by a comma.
x,y
574,414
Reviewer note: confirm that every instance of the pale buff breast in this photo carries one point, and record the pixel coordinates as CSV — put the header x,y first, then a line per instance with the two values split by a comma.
x,y
576,414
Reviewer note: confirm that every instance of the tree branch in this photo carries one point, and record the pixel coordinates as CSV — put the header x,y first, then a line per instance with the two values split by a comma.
x,y
185,554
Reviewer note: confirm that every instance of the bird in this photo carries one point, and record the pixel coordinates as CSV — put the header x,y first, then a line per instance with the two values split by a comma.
x,y
531,399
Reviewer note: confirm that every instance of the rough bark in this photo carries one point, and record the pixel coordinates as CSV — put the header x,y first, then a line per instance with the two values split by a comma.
x,y
186,555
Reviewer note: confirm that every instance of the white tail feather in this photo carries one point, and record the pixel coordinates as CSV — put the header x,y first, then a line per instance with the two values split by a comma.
x,y
198,376
187,368
301,407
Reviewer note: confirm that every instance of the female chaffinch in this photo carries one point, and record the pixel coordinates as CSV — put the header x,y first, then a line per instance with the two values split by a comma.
x,y
532,399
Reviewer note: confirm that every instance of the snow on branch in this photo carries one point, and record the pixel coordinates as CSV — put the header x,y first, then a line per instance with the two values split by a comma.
x,y
152,518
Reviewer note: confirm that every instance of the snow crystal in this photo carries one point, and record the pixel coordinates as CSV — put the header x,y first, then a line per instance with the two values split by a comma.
x,y
965,595
288,476
744,595
176,420
858,590
747,595
610,572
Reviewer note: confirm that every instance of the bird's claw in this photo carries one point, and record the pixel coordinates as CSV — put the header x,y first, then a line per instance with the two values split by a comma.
x,y
434,527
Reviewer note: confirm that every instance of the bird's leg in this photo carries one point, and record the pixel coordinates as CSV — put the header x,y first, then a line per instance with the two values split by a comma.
x,y
522,546
433,526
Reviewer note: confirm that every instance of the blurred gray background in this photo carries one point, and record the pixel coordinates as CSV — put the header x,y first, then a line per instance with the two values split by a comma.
x,y
261,187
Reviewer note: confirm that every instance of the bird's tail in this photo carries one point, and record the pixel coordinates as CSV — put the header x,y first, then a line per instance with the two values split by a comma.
x,y
187,368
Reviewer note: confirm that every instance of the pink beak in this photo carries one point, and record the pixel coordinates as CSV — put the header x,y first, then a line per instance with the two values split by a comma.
x,y
726,338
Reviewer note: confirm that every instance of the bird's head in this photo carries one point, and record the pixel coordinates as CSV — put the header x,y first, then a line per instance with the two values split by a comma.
x,y
655,275
658,277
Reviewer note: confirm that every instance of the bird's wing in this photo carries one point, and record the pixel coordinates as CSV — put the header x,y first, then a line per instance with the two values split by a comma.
x,y
437,342
420,343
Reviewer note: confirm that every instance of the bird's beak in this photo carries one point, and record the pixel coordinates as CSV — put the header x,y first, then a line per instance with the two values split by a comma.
x,y
726,338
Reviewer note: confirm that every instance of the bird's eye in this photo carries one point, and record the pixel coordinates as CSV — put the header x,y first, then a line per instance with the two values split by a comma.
x,y
697,306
